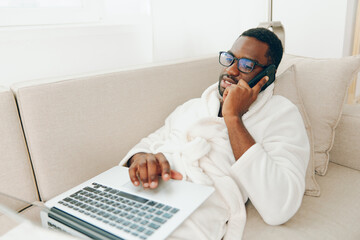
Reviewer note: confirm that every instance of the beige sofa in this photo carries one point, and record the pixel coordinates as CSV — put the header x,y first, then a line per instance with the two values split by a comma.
x,y
58,133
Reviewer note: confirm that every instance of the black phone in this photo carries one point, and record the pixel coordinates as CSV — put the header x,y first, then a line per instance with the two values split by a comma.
x,y
268,71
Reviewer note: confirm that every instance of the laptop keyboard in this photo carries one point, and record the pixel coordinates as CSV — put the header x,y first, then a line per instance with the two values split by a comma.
x,y
133,214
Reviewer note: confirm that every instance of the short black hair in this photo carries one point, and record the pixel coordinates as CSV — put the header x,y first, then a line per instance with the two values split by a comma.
x,y
275,51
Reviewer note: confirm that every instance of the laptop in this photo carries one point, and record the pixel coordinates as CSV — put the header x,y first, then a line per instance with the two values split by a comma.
x,y
108,206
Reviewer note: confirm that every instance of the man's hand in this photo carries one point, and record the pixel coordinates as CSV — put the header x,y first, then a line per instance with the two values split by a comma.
x,y
147,167
238,98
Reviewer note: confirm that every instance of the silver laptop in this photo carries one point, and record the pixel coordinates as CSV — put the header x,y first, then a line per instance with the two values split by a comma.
x,y
108,206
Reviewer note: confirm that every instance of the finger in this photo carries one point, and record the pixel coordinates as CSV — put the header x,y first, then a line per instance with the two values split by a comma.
x,y
260,84
243,83
176,175
164,165
143,173
132,174
227,91
152,171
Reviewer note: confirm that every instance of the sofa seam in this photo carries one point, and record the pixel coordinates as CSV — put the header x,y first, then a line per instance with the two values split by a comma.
x,y
27,144
343,166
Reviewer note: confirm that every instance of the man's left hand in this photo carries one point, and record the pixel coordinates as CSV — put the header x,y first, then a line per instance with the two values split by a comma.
x,y
238,98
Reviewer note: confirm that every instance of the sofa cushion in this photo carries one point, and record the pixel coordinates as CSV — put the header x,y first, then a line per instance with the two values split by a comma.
x,y
6,224
31,213
78,127
323,84
16,176
30,230
333,215
286,85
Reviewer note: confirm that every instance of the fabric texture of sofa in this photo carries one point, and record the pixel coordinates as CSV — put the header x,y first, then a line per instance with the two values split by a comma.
x,y
58,133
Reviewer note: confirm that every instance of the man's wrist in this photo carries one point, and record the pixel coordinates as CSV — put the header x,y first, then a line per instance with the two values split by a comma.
x,y
233,119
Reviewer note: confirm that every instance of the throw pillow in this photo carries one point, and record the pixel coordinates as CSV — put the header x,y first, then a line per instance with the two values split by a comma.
x,y
323,85
286,86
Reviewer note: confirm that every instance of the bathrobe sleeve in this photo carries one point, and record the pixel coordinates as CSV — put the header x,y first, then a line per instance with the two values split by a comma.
x,y
144,145
272,172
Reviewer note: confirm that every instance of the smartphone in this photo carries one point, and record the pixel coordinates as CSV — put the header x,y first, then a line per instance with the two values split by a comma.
x,y
268,71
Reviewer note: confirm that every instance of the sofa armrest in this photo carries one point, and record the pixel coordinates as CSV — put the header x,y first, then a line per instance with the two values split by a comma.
x,y
346,149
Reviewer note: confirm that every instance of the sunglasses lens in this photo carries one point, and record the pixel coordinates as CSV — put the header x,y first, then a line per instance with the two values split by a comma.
x,y
226,59
246,65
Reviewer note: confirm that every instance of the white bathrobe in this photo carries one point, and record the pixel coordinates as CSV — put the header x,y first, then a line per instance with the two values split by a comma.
x,y
271,173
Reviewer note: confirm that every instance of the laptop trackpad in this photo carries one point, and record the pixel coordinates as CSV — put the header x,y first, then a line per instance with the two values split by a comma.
x,y
163,188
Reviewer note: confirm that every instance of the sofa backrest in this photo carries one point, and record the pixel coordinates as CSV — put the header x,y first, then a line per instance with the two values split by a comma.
x,y
16,175
79,127
346,151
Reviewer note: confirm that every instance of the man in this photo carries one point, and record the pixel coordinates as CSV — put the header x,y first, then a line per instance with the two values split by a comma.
x,y
246,143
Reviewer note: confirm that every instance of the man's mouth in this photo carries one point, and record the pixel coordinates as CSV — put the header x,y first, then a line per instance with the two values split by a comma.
x,y
227,81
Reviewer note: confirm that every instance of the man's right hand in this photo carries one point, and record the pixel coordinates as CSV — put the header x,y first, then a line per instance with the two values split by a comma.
x,y
146,168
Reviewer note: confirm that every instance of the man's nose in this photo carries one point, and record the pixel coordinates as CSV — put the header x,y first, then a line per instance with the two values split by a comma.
x,y
233,70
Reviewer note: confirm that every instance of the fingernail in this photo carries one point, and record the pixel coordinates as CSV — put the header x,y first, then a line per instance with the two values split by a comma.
x,y
146,185
136,183
166,176
153,185
267,78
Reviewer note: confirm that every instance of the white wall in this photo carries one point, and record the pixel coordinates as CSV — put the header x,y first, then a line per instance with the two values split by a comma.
x,y
184,28
313,28
121,36
167,29
187,28
42,52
